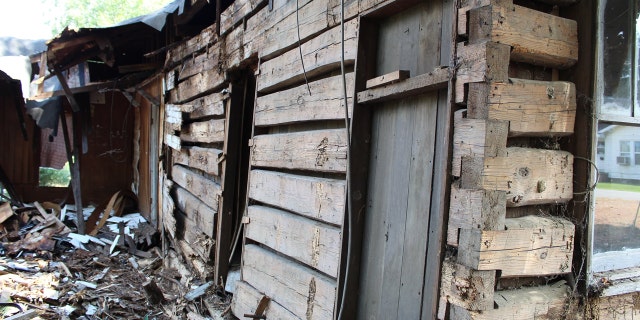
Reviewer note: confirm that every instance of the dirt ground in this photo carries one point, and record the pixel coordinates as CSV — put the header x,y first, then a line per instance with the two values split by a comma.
x,y
614,224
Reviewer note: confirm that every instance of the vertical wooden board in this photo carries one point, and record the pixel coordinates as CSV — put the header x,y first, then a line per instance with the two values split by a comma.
x,y
477,138
318,198
529,246
529,176
480,62
201,187
306,293
205,159
475,209
325,102
313,243
209,131
467,288
168,206
318,150
246,300
236,12
200,213
209,105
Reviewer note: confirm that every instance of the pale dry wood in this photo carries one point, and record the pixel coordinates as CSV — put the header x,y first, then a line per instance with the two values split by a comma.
x,y
6,212
208,131
236,12
529,176
200,62
201,267
201,187
205,159
199,84
193,45
619,307
467,288
480,62
172,118
475,209
319,150
246,300
313,243
170,79
389,78
437,79
477,138
207,106
533,108
168,220
529,246
296,105
318,198
199,212
306,293
172,141
232,49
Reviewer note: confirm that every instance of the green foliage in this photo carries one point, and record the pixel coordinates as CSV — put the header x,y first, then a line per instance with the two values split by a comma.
x,y
50,177
618,186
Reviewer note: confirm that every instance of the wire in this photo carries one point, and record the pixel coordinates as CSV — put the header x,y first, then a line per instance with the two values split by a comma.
x,y
304,71
593,187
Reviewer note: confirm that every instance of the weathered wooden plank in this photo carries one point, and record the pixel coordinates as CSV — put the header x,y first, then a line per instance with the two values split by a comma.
x,y
389,78
200,63
529,176
210,105
205,159
173,117
477,138
209,131
480,62
236,12
201,267
296,105
306,293
204,189
318,198
199,212
168,206
546,303
533,108
467,288
199,84
200,243
313,243
195,44
535,37
319,150
475,209
246,300
320,54
529,246
172,141
437,79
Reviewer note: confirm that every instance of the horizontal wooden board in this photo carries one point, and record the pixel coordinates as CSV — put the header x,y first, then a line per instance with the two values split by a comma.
x,y
296,105
313,243
533,108
207,106
318,198
319,150
389,78
200,63
529,176
201,187
480,62
205,159
529,246
246,300
195,44
475,209
209,131
467,288
320,54
306,293
236,12
437,79
477,138
196,210
199,85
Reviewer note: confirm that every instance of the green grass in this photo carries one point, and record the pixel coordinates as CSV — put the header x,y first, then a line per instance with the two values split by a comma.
x,y
50,177
618,186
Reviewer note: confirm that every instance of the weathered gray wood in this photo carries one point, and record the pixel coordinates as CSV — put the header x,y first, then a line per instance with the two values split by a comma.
x,y
389,78
195,237
204,189
319,150
172,118
477,138
199,85
209,131
296,105
172,141
210,105
246,300
318,198
205,159
200,213
475,209
529,246
529,176
236,12
487,61
306,293
194,260
420,84
168,220
315,244
193,45
200,63
467,288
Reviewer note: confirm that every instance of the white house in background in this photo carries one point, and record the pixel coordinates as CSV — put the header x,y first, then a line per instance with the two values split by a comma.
x,y
618,153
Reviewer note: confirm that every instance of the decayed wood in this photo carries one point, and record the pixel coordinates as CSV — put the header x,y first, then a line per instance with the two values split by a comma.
x,y
246,300
475,209
529,246
318,198
5,212
205,159
389,78
535,37
200,266
533,108
296,105
204,189
319,150
480,62
307,293
153,292
316,244
200,243
320,54
467,288
172,118
208,131
203,40
529,176
236,12
437,79
200,213
210,105
168,220
199,85
545,303
477,138
232,49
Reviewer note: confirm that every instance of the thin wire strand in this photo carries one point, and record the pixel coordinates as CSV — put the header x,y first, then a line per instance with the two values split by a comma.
x,y
593,187
304,71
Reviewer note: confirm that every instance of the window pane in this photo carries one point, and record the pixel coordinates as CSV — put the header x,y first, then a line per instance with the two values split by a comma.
x,y
625,147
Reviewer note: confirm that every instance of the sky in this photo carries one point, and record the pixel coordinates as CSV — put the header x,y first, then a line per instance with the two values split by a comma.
x,y
23,19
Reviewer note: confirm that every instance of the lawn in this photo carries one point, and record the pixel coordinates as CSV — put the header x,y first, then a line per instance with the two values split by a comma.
x,y
618,186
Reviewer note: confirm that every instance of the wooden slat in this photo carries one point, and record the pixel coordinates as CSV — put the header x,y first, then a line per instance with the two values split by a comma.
x,y
535,37
210,105
475,209
205,159
236,12
246,300
209,131
306,293
296,105
467,288
389,78
529,246
321,150
437,79
204,189
318,198
533,108
529,176
196,210
320,54
487,61
313,243
477,138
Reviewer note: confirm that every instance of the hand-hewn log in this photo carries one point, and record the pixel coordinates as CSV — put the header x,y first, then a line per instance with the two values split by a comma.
x,y
199,212
210,105
193,45
236,12
481,62
209,131
203,188
467,288
475,209
205,159
200,266
199,85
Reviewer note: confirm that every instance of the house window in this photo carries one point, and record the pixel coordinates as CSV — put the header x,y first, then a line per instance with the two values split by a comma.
x,y
636,153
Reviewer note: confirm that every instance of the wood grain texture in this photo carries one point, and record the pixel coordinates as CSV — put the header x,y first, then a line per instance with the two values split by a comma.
x,y
201,243
172,141
209,131
389,78
318,198
420,84
199,84
296,105
205,159
207,106
480,62
477,138
246,300
319,150
236,12
475,209
196,210
313,243
529,246
172,118
533,108
168,220
306,293
194,260
204,189
193,45
467,288
199,63
529,176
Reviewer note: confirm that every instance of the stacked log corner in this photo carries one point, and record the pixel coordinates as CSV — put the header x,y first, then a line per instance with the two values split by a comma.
x,y
491,176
